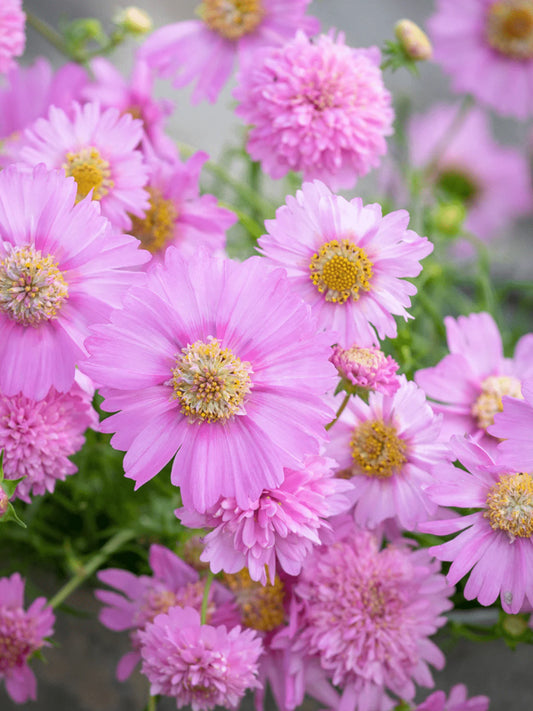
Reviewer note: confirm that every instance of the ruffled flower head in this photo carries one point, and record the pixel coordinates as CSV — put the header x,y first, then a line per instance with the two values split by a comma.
x,y
366,368
12,33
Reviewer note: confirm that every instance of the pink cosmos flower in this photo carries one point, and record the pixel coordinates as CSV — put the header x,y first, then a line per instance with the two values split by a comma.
x,y
486,46
468,384
387,450
224,364
368,616
366,368
62,268
347,261
515,425
98,149
318,107
281,526
22,633
12,33
492,181
496,541
456,701
205,50
200,665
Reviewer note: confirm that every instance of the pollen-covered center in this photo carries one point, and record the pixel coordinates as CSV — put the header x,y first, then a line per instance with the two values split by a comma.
x,y
17,638
261,606
377,451
32,288
210,382
339,270
510,28
510,505
232,18
90,171
156,228
489,402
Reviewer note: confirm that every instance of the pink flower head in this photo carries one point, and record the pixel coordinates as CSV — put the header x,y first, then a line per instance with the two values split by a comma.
x,y
22,633
387,450
456,701
515,425
486,46
200,665
469,384
367,368
496,542
319,107
61,269
347,261
205,50
223,364
12,33
368,616
281,526
98,149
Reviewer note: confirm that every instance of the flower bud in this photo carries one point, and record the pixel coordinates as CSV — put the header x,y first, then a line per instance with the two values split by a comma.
x,y
4,501
448,217
134,20
413,40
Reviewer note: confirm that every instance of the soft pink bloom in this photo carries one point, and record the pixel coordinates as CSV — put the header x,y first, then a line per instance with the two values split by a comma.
x,y
368,616
281,526
515,425
12,33
205,50
457,701
367,368
224,367
316,106
76,266
200,665
468,384
496,541
98,148
347,261
486,47
22,633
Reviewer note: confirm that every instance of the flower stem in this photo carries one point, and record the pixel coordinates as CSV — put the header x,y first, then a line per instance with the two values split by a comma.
x,y
152,703
339,411
205,599
48,32
442,144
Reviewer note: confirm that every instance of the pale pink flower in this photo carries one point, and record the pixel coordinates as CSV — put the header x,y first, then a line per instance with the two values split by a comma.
x,y
12,33
366,368
515,425
456,701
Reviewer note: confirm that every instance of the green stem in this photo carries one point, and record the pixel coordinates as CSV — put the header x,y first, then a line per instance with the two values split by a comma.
x,y
112,545
339,411
48,32
442,144
205,599
152,703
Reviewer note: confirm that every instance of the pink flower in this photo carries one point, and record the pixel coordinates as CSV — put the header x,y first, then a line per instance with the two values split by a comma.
x,y
468,384
223,364
457,701
387,450
200,665
12,34
281,526
486,46
22,633
346,261
515,425
496,541
98,149
205,50
318,107
367,368
61,269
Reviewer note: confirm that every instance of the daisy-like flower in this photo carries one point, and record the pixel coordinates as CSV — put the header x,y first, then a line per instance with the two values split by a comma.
x,y
12,33
491,180
281,526
319,107
347,261
495,543
62,268
205,50
200,665
22,633
456,701
515,425
469,383
387,450
486,46
368,616
224,364
98,149
366,368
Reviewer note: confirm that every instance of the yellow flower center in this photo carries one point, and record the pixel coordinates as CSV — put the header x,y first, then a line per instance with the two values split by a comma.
x,y
210,383
489,402
261,606
339,270
510,28
156,228
232,18
510,505
377,451
90,171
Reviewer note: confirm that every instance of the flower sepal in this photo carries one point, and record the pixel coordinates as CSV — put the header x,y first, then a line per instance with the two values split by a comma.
x,y
7,489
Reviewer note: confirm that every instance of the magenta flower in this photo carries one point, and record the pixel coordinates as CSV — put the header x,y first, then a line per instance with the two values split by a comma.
x,y
318,107
12,33
347,261
456,701
224,364
205,50
62,268
22,633
515,425
469,384
367,368
200,665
